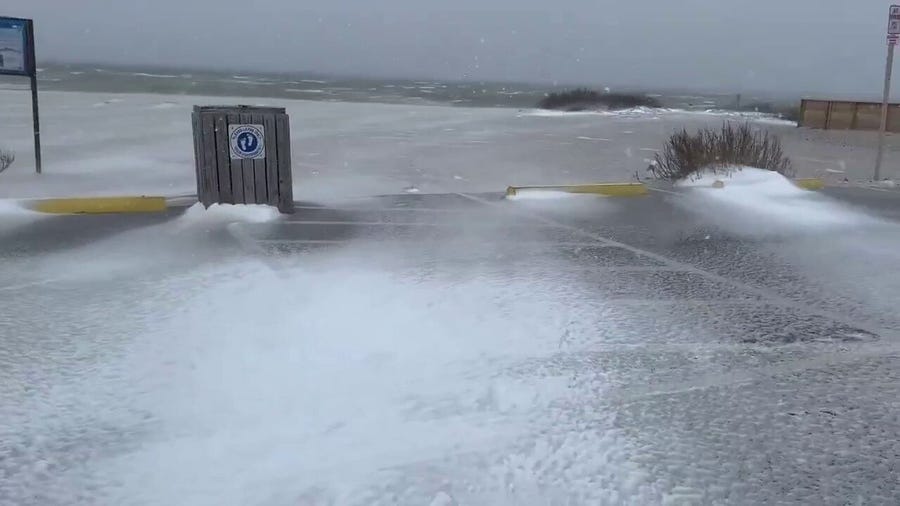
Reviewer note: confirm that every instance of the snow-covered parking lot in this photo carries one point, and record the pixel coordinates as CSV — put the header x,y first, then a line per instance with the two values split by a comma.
x,y
705,345
411,337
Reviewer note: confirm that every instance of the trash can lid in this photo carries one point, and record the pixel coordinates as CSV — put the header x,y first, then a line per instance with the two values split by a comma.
x,y
238,109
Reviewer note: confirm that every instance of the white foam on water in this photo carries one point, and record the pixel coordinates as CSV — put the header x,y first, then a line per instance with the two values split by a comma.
x,y
109,101
160,76
542,113
657,113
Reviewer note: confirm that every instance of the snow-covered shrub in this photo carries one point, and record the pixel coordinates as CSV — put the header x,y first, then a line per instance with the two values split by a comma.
x,y
685,154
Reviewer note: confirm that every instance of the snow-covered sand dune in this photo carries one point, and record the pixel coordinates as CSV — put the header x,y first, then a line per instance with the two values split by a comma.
x,y
140,143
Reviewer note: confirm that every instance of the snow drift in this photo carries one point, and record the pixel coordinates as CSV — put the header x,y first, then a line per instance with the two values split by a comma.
x,y
218,215
751,201
13,214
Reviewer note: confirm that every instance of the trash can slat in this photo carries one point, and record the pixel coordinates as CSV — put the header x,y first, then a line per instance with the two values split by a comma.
x,y
223,160
271,160
210,189
285,190
237,168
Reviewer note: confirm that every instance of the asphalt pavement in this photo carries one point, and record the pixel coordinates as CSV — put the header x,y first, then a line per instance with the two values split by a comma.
x,y
744,365
745,370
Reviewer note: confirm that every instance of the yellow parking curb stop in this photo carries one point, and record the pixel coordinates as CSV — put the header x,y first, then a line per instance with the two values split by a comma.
x,y
99,205
810,183
604,189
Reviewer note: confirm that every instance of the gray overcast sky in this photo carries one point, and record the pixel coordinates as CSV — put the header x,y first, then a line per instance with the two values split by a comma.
x,y
835,46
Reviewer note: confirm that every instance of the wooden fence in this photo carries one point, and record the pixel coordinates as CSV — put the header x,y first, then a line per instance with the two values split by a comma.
x,y
847,115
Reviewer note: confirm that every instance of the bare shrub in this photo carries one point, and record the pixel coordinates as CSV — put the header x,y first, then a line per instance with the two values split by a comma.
x,y
719,151
6,159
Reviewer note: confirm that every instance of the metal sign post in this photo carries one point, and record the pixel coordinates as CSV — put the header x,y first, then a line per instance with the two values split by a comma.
x,y
892,39
17,59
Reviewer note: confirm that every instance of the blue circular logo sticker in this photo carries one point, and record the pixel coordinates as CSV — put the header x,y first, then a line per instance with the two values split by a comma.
x,y
247,141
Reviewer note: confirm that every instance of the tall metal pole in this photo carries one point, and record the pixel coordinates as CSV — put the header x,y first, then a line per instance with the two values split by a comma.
x,y
888,70
32,65
37,125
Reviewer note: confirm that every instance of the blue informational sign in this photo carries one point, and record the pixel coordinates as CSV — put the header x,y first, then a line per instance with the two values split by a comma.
x,y
16,47
248,142
17,59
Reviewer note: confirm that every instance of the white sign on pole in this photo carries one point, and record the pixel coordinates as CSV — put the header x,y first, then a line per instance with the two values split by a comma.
x,y
248,142
894,27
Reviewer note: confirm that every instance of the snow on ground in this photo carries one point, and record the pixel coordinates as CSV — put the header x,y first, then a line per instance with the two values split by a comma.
x,y
168,365
536,194
758,204
751,201
333,379
197,215
581,205
14,214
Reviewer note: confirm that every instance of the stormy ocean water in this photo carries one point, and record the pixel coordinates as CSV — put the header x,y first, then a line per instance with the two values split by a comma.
x,y
312,86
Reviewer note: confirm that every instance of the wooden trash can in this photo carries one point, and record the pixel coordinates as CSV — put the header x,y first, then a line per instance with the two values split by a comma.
x,y
243,156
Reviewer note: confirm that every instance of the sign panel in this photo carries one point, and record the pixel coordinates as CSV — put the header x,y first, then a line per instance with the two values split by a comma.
x,y
894,27
248,142
14,50
894,20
